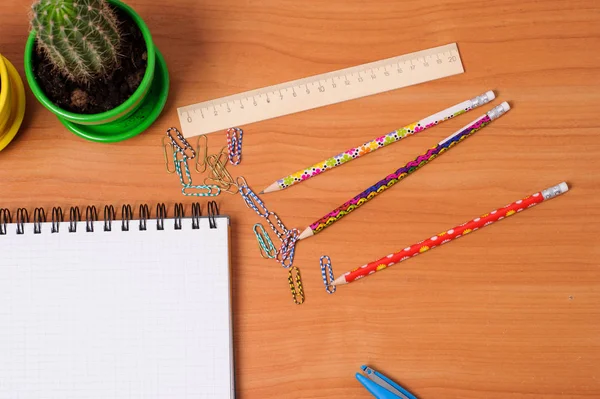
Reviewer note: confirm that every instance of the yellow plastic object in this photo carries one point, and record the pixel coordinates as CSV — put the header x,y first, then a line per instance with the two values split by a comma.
x,y
12,102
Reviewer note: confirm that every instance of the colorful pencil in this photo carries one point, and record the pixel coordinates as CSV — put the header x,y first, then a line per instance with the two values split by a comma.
x,y
404,171
449,235
379,142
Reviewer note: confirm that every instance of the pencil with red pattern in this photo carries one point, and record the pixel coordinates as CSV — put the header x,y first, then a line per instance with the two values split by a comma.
x,y
449,235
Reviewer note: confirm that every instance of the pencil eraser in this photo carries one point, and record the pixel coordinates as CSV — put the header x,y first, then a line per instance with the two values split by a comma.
x,y
490,94
564,187
505,106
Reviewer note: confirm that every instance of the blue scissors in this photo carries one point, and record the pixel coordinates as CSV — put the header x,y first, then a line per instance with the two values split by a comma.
x,y
380,386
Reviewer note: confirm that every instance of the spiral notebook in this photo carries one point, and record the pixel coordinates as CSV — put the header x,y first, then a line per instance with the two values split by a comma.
x,y
116,308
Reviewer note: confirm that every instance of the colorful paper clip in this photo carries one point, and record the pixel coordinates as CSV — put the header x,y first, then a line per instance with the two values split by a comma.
x,y
327,274
286,254
187,180
265,244
201,191
278,227
188,188
252,200
295,282
180,143
234,145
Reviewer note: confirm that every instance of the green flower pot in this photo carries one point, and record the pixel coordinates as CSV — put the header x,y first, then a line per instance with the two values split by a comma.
x,y
128,119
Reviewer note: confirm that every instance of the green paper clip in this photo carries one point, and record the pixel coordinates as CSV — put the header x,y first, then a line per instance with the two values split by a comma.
x,y
201,191
265,244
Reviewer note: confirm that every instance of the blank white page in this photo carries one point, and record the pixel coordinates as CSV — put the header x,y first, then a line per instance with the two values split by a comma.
x,y
116,315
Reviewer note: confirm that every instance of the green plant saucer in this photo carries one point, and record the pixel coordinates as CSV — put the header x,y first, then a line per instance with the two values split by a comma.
x,y
139,121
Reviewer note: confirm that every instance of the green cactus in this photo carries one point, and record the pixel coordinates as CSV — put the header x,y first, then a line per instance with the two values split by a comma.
x,y
80,37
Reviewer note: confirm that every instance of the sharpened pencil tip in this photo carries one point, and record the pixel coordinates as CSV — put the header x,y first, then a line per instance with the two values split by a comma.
x,y
339,281
306,233
273,187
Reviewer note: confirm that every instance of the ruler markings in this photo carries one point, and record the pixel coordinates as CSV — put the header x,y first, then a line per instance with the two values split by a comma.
x,y
354,82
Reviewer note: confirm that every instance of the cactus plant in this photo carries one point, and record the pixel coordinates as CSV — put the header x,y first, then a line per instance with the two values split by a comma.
x,y
134,89
81,38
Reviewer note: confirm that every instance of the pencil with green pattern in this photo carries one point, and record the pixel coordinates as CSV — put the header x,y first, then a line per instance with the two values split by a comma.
x,y
379,142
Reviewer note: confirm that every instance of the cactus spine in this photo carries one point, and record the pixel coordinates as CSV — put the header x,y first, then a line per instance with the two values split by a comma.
x,y
80,37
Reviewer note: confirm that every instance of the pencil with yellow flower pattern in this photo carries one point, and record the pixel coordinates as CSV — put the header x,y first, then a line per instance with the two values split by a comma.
x,y
379,142
449,235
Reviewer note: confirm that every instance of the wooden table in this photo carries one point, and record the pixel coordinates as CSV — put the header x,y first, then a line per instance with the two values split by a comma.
x,y
509,312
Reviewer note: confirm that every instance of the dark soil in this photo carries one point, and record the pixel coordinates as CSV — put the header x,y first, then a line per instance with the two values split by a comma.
x,y
102,93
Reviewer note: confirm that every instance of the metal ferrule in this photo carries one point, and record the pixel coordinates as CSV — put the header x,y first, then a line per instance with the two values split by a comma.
x,y
496,112
480,100
552,192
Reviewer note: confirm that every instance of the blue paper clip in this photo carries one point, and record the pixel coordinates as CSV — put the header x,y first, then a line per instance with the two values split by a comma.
x,y
327,271
380,386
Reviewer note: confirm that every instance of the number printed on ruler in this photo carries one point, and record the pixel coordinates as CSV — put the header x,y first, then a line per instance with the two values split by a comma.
x,y
320,90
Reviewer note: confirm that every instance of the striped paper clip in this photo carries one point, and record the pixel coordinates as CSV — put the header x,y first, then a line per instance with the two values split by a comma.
x,y
188,188
254,202
327,274
286,253
180,143
187,180
201,191
265,244
288,248
295,282
234,145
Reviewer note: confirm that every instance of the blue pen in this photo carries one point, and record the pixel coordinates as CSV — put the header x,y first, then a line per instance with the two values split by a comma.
x,y
380,386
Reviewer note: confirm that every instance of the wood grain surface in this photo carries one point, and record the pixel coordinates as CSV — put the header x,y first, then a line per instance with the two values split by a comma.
x,y
512,311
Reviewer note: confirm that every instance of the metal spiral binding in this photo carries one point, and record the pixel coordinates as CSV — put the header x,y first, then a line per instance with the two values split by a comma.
x,y
74,218
126,216
91,216
213,211
22,218
178,215
39,217
109,216
161,215
196,213
144,216
57,218
5,218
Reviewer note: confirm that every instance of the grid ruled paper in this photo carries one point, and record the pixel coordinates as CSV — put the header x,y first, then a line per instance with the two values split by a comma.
x,y
116,315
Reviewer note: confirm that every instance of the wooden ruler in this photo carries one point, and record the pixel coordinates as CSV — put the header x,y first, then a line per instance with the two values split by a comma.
x,y
320,90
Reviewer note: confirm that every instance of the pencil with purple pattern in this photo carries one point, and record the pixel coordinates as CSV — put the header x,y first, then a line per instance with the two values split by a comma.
x,y
411,167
